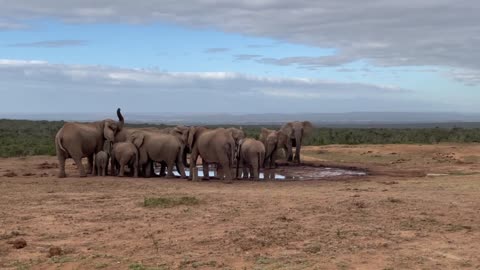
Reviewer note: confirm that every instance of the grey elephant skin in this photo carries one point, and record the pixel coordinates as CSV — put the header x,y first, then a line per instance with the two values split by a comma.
x,y
157,147
215,146
274,141
251,155
124,154
181,132
80,140
100,164
296,132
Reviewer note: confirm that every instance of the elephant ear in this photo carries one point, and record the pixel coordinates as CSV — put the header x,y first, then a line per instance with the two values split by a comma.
x,y
108,133
307,128
264,134
235,133
181,133
287,129
283,138
137,138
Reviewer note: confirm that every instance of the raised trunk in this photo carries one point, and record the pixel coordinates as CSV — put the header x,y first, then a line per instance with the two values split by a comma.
x,y
121,120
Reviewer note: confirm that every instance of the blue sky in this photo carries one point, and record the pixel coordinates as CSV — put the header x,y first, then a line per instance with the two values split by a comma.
x,y
246,58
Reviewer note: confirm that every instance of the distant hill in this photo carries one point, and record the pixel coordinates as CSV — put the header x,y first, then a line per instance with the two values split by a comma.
x,y
352,119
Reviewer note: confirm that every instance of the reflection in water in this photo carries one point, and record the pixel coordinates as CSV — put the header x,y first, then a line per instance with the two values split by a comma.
x,y
286,173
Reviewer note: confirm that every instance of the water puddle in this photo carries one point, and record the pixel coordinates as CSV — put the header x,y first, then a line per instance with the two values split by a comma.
x,y
288,173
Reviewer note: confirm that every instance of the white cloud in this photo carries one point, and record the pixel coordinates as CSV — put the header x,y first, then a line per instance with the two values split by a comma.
x,y
467,76
145,89
385,33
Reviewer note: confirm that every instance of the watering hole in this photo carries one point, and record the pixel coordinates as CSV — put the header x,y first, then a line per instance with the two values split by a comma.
x,y
287,173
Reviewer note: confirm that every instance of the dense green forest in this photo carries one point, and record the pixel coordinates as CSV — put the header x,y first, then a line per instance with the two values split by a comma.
x,y
23,137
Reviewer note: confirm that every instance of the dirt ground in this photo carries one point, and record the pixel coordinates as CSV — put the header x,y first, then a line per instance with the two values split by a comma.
x,y
419,208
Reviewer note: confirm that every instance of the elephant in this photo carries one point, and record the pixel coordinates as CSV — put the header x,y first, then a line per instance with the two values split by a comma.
x,y
237,135
100,165
157,147
100,161
215,146
251,155
181,132
296,131
79,140
124,154
273,140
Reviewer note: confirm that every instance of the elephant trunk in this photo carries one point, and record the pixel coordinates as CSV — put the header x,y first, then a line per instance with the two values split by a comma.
x,y
298,143
121,120
184,157
238,159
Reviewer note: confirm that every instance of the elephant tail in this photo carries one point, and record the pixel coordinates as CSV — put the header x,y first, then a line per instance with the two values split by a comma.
x,y
238,158
136,162
112,163
261,158
58,141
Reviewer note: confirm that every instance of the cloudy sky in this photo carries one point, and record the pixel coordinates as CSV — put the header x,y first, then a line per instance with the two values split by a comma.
x,y
242,56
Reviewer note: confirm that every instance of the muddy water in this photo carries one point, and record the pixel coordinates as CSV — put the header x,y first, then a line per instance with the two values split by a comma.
x,y
289,173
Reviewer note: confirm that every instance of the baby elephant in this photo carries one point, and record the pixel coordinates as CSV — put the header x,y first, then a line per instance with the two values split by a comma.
x,y
251,154
124,154
100,165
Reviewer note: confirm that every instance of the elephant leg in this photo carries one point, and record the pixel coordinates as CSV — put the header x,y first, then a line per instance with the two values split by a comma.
x,y
90,164
255,171
289,152
95,169
81,169
272,162
112,166
149,167
193,164
218,171
227,171
206,173
163,168
106,168
297,153
61,165
122,170
135,168
170,164
244,170
181,169
266,163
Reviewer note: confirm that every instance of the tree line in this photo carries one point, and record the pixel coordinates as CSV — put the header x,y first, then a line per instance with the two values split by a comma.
x,y
25,138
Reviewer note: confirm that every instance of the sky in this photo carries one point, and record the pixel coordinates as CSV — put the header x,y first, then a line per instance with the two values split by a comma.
x,y
250,56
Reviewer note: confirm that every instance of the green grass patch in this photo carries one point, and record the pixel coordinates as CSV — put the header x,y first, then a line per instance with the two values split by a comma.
x,y
166,202
139,266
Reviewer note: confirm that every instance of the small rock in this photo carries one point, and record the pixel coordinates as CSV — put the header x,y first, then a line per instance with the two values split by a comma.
x,y
54,251
19,243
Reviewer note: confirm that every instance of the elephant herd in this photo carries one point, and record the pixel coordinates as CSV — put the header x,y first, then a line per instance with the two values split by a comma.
x,y
139,149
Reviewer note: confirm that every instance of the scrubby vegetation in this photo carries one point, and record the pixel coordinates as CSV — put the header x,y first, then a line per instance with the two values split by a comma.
x,y
23,138
166,202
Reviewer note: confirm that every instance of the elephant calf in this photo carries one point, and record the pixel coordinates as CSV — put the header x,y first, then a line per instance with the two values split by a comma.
x,y
251,155
100,165
124,154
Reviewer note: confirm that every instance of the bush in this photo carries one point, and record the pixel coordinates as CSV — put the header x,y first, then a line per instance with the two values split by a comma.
x,y
24,138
